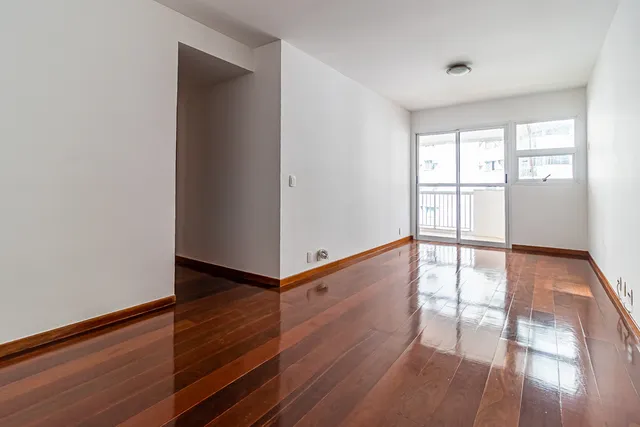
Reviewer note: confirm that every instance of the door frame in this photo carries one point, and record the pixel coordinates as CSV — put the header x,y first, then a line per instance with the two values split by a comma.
x,y
458,186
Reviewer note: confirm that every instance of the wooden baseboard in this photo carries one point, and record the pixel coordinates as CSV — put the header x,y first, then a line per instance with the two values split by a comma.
x,y
624,314
323,270
229,273
541,250
28,343
329,268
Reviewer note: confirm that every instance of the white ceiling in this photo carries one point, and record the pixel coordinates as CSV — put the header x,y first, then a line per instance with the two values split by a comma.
x,y
400,48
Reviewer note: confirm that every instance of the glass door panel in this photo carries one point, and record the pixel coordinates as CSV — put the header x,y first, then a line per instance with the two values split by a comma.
x,y
482,213
437,159
437,212
437,194
482,186
482,156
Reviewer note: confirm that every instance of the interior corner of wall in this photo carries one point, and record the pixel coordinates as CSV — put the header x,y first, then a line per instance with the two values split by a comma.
x,y
284,44
275,45
205,39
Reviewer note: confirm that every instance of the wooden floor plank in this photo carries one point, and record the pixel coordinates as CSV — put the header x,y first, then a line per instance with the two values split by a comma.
x,y
420,335
333,407
429,388
382,403
540,405
614,383
249,410
500,404
186,398
462,400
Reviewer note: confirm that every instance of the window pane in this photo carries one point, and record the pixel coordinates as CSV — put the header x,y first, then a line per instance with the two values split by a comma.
x,y
482,156
437,158
556,134
539,167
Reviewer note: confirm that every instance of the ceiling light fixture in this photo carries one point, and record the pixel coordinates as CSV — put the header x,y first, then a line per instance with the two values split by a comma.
x,y
459,69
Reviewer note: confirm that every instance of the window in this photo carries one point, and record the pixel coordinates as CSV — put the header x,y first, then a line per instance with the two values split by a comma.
x,y
430,165
546,167
546,150
492,165
437,158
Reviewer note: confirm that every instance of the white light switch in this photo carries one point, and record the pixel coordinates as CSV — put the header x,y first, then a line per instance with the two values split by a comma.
x,y
292,180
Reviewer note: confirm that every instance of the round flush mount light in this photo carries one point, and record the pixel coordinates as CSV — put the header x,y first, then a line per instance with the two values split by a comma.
x,y
459,69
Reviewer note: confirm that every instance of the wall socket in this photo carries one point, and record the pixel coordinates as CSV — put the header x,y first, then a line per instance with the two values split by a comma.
x,y
619,287
399,231
309,257
625,294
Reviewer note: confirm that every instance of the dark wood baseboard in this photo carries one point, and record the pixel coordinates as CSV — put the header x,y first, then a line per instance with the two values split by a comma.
x,y
229,273
541,250
29,343
323,270
329,268
624,314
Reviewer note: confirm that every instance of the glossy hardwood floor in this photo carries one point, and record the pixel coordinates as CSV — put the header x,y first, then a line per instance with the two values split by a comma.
x,y
420,335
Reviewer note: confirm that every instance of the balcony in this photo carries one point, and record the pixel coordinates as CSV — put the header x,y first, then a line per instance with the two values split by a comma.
x,y
481,213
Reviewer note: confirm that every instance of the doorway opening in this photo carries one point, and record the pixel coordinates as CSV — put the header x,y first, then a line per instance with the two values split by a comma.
x,y
204,165
462,192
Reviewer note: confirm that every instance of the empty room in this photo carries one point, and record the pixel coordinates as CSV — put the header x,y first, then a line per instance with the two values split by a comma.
x,y
319,213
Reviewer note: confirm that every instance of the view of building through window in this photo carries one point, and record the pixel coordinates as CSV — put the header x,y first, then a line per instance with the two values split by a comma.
x,y
545,135
554,139
481,157
437,158
541,167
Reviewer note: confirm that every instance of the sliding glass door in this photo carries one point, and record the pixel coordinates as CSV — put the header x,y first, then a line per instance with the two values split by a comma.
x,y
437,189
461,187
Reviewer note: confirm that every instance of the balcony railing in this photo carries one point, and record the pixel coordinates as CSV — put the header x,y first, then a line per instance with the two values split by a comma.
x,y
438,210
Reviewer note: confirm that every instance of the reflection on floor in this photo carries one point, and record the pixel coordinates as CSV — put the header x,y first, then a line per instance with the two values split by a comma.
x,y
427,233
420,335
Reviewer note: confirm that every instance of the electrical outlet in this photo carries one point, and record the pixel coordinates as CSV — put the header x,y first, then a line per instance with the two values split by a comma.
x,y
309,257
619,287
627,295
399,231
322,254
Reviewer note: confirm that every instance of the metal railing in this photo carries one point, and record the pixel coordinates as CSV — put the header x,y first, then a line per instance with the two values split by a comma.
x,y
438,210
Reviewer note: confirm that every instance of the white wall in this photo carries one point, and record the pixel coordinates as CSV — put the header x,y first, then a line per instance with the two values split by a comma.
x,y
552,214
349,149
229,168
614,151
488,215
87,158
